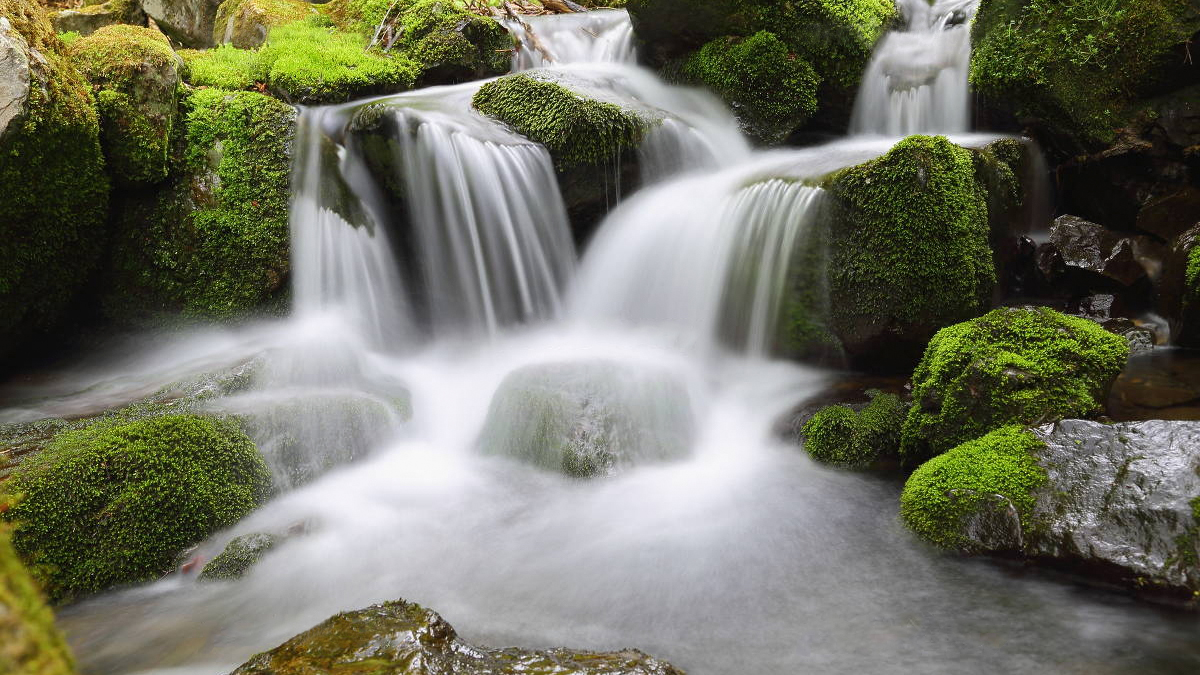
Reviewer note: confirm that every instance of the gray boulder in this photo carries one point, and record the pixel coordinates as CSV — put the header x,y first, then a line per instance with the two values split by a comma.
x,y
15,73
188,22
92,17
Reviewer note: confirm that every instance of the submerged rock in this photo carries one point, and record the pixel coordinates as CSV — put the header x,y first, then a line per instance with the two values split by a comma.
x,y
31,644
401,638
588,419
239,556
1120,500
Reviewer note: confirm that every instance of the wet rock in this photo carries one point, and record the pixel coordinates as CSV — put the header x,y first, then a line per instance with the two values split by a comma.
x,y
91,18
1161,385
401,638
1079,246
188,22
239,556
588,419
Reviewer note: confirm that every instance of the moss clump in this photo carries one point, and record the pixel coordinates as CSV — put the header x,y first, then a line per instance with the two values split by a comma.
x,y
575,129
453,45
245,23
1022,366
136,75
238,557
215,243
1076,65
55,193
910,254
224,67
838,435
947,492
30,643
771,89
115,502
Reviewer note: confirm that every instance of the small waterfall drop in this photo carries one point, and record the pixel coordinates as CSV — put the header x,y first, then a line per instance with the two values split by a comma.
x,y
601,36
916,81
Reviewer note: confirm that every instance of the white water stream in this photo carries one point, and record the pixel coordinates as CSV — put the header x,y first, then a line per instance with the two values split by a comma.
x,y
742,556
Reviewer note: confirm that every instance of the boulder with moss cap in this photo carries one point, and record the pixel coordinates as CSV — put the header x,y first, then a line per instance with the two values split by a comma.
x,y
136,77
245,23
92,17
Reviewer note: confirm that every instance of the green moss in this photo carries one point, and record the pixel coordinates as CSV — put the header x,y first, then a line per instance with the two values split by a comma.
x,y
575,129
225,67
1023,366
945,492
838,435
245,23
69,37
772,90
453,45
114,502
55,192
215,244
32,644
135,74
238,557
910,254
1076,65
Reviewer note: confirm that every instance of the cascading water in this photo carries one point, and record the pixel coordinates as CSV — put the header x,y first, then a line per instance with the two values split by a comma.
x,y
917,79
602,36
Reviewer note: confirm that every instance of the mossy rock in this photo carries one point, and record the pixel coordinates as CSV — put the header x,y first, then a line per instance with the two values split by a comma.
x,y
214,242
245,23
976,494
1076,67
115,502
772,91
55,197
32,644
843,436
910,253
90,18
136,77
576,129
1011,366
238,557
452,45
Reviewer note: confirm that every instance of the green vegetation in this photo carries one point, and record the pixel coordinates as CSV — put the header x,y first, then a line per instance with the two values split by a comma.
x,y
135,73
215,244
1011,366
238,557
1076,65
116,501
245,23
910,254
30,643
838,435
771,90
55,192
575,129
979,478
224,67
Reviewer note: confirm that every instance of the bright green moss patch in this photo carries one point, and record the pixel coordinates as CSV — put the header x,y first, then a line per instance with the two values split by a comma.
x,y
910,254
772,90
838,435
1022,366
1076,65
115,502
985,476
224,67
575,129
55,192
30,643
135,74
69,37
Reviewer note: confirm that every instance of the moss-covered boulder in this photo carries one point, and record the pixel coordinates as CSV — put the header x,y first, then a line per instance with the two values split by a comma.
x,y
1011,366
187,22
771,90
30,644
92,17
401,637
909,250
55,192
116,501
1075,67
245,23
843,436
213,242
239,556
135,74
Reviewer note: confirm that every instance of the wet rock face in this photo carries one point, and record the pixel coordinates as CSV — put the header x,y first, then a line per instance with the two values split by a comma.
x,y
1081,247
401,638
1124,497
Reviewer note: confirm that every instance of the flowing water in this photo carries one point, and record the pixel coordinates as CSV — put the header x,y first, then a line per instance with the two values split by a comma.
x,y
422,305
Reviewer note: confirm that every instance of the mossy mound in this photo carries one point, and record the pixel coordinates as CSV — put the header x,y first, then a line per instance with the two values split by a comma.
x,y
955,495
1076,66
224,67
771,90
214,243
910,253
136,76
30,643
246,23
55,193
577,130
1011,366
841,436
238,557
115,502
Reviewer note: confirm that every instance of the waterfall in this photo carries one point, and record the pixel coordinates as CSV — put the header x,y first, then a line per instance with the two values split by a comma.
x,y
916,81
602,36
